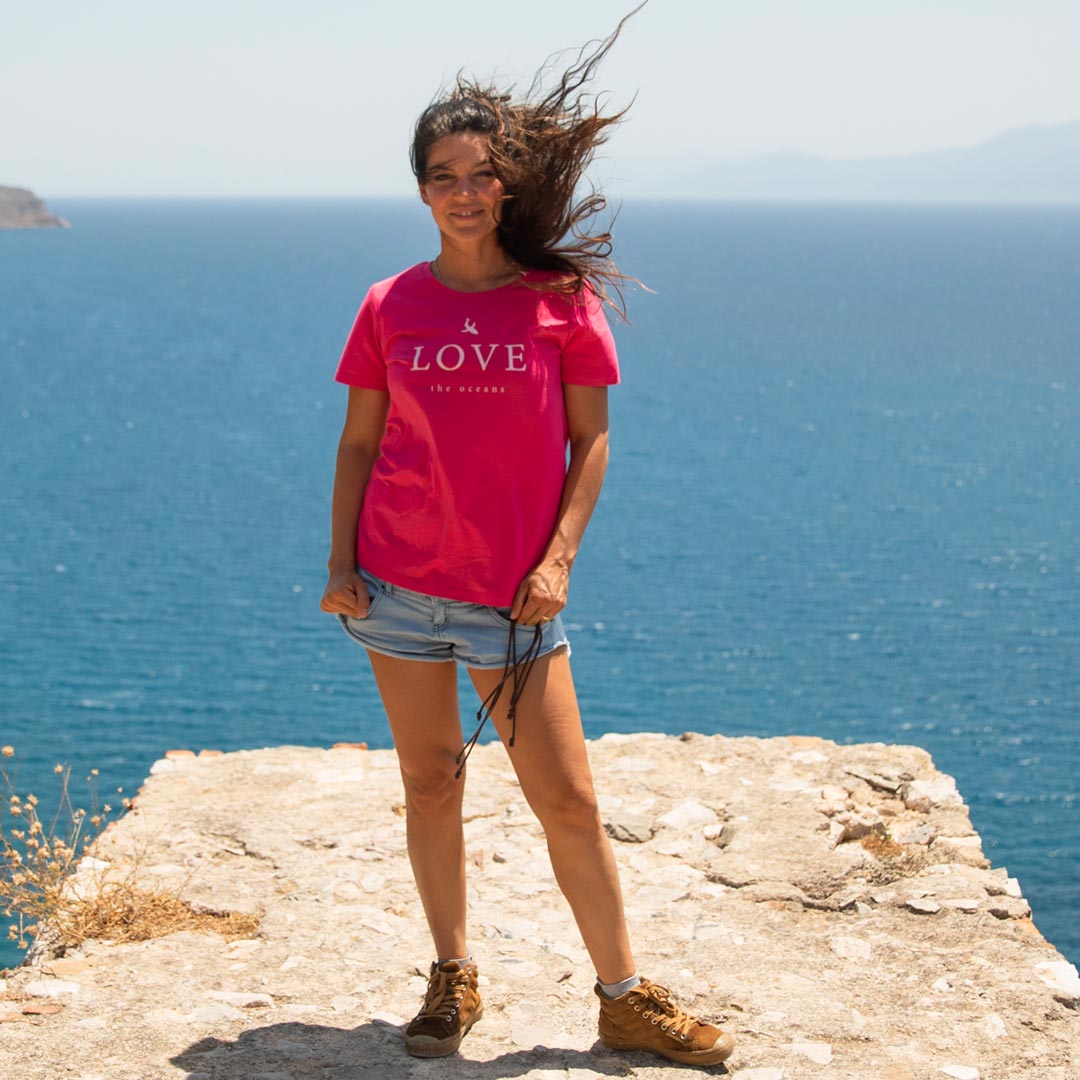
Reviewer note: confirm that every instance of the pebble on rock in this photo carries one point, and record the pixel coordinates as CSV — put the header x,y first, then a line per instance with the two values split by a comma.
x,y
372,883
849,948
820,1053
214,1014
923,795
629,828
961,1072
915,834
241,1000
50,988
388,1019
1060,976
923,905
967,904
1008,908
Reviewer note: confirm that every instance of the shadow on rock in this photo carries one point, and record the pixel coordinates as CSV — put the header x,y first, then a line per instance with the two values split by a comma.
x,y
296,1051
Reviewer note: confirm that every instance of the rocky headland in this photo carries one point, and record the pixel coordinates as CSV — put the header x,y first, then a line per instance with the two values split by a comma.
x,y
22,209
831,905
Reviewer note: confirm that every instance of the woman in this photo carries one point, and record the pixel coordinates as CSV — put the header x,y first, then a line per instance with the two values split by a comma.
x,y
457,520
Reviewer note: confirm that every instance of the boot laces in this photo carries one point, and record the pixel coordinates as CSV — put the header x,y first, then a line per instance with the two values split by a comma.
x,y
658,1007
445,993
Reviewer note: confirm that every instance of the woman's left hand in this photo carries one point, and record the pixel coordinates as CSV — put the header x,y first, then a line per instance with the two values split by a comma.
x,y
542,595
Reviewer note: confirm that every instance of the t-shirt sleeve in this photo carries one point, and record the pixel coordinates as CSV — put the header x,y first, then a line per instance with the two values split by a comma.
x,y
588,355
362,362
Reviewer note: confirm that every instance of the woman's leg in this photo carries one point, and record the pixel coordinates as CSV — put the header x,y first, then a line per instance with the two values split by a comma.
x,y
421,704
552,765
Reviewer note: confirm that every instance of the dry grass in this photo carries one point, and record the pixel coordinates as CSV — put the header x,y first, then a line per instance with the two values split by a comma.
x,y
880,844
892,861
56,896
122,911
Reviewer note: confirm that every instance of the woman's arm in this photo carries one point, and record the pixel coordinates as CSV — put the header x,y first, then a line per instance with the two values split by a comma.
x,y
365,422
542,594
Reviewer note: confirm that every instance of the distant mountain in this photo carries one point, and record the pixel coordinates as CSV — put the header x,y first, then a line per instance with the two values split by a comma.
x,y
22,209
1029,164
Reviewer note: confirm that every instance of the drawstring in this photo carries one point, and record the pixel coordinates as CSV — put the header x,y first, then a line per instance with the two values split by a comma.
x,y
515,670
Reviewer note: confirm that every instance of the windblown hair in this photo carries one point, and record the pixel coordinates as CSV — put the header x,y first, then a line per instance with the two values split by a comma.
x,y
541,146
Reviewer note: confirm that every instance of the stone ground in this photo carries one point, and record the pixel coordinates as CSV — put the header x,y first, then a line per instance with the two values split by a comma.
x,y
831,905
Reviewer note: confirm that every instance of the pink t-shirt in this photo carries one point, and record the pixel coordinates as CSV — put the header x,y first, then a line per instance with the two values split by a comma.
x,y
463,497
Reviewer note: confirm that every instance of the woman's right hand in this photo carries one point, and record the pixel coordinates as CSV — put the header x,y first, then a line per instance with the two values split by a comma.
x,y
346,594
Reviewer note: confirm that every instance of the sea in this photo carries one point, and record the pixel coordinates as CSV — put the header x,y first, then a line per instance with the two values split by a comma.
x,y
844,494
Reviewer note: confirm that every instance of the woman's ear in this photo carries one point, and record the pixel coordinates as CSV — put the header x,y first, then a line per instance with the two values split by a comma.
x,y
423,194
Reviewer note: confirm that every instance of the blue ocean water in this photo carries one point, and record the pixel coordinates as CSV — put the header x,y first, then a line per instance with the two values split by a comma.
x,y
843,497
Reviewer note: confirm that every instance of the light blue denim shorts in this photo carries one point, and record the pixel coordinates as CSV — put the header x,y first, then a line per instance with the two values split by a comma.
x,y
414,626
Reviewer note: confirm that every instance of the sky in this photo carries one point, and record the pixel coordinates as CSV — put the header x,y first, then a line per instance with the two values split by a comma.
x,y
318,97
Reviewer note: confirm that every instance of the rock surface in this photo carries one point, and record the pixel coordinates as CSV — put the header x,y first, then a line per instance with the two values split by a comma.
x,y
22,209
840,955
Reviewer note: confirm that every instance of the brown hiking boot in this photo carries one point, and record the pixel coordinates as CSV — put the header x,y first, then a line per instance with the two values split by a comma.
x,y
451,1006
645,1018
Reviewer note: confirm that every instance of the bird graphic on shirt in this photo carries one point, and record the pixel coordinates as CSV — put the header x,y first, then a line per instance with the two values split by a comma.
x,y
470,327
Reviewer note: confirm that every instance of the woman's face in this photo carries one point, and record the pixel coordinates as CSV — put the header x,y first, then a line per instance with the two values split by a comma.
x,y
461,188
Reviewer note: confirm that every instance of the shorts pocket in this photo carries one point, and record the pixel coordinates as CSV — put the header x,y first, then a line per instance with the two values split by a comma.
x,y
375,594
376,588
501,617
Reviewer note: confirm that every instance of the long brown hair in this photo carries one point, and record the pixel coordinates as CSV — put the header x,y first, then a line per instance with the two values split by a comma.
x,y
540,147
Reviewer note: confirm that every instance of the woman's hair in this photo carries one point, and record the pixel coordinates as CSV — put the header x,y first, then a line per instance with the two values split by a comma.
x,y
540,147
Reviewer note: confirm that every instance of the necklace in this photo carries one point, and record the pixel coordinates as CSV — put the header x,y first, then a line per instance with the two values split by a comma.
x,y
511,271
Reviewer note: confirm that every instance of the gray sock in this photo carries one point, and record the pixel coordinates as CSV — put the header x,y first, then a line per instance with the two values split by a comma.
x,y
461,961
614,990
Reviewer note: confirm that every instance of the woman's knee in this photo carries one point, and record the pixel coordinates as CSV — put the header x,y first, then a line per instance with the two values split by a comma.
x,y
432,788
569,807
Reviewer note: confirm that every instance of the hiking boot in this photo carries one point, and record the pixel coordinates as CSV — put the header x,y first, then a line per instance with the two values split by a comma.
x,y
645,1018
451,1006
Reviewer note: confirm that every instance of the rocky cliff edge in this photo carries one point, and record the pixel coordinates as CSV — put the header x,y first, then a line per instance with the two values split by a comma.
x,y
831,905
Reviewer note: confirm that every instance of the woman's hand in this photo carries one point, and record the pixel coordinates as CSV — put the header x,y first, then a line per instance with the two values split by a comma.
x,y
346,594
542,595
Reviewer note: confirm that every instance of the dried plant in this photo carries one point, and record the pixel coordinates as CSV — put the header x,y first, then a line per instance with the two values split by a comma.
x,y
38,857
51,889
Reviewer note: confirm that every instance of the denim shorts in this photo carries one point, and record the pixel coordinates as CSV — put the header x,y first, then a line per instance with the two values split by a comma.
x,y
414,626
